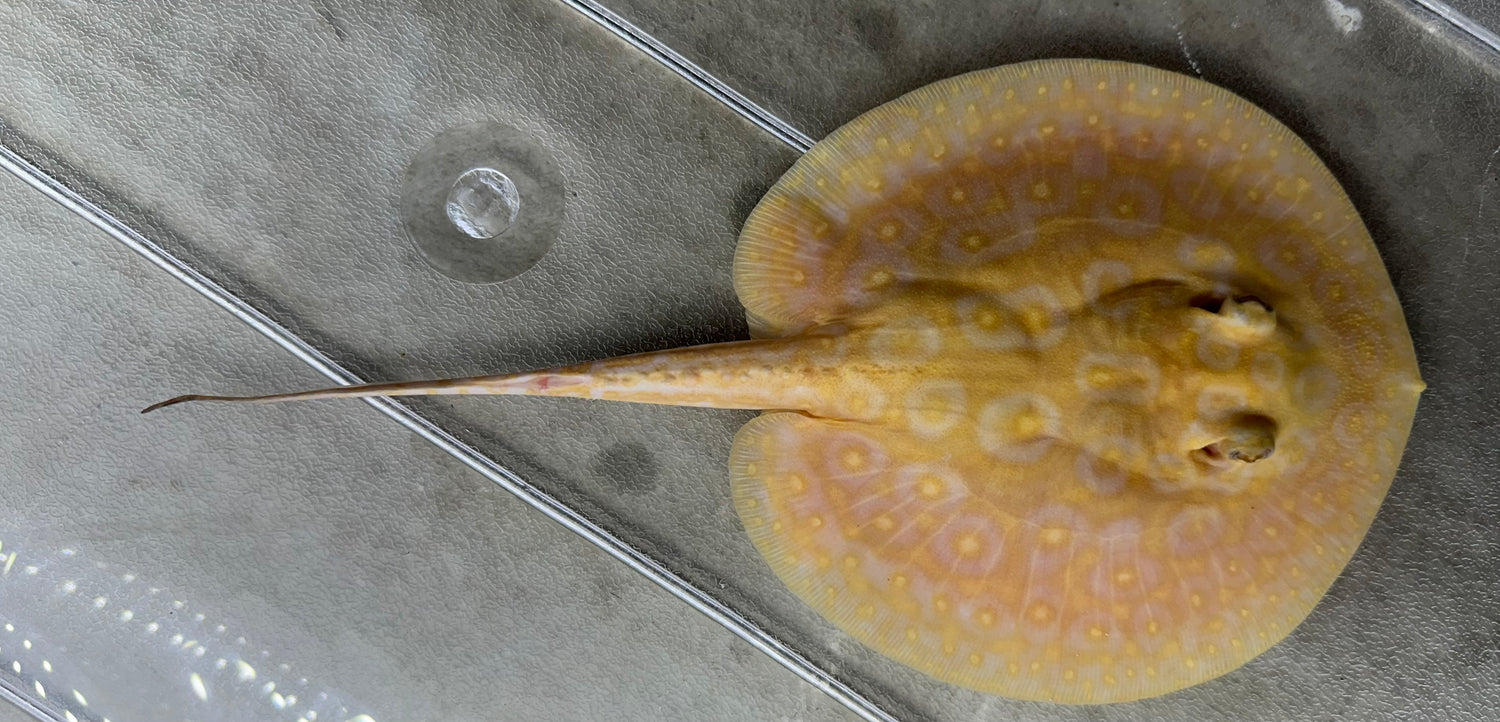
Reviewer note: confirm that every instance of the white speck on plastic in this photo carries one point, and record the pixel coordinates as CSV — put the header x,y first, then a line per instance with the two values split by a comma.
x,y
1346,18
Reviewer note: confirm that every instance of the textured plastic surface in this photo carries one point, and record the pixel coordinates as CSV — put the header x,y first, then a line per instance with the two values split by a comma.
x,y
327,539
269,142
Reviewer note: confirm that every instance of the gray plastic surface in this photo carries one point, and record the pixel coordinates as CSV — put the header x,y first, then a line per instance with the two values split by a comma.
x,y
328,539
266,144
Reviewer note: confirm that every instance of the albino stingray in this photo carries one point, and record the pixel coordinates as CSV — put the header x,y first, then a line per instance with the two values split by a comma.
x,y
1084,380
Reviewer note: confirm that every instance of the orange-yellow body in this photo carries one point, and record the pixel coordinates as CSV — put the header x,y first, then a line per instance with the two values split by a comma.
x,y
1084,380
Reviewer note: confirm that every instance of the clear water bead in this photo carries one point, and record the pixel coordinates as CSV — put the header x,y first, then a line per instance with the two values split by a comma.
x,y
483,203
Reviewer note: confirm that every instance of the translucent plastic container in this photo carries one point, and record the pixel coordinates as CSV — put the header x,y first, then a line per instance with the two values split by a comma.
x,y
264,154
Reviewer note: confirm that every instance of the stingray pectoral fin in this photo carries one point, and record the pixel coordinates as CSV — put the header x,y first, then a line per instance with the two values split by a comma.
x,y
1006,559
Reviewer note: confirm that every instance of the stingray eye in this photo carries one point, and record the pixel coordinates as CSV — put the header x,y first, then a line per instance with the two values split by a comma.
x,y
1251,437
1243,319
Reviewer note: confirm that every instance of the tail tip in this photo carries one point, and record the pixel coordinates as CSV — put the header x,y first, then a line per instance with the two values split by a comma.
x,y
168,402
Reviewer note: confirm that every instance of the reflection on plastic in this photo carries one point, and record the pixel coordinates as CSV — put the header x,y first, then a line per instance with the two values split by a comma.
x,y
62,614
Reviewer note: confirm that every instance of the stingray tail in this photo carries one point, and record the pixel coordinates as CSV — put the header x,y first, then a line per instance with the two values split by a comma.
x,y
475,385
763,374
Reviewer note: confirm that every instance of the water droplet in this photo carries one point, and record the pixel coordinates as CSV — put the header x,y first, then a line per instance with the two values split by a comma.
x,y
198,687
127,615
99,602
69,587
246,672
79,696
482,202
47,666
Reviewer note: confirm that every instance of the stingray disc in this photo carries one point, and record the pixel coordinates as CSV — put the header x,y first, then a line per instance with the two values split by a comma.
x,y
1136,380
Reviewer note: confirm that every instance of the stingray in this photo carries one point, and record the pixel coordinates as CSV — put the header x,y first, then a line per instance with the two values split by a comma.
x,y
1082,380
